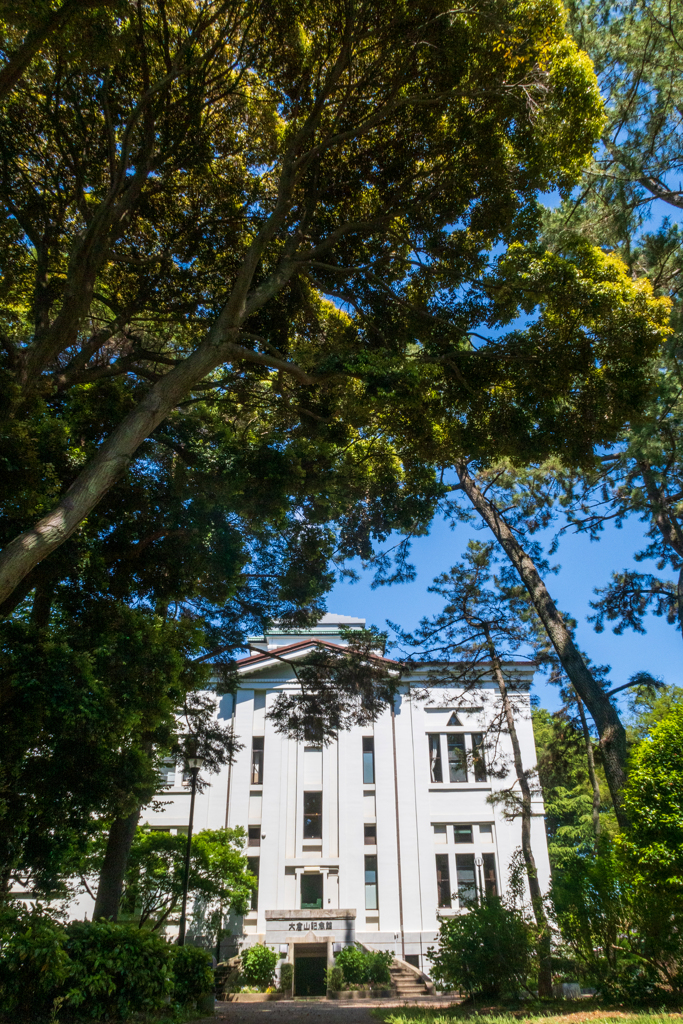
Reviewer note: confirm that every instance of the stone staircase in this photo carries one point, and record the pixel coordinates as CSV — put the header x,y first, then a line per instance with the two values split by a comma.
x,y
408,982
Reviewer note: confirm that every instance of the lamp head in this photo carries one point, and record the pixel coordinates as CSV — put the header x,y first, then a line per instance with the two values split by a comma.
x,y
195,762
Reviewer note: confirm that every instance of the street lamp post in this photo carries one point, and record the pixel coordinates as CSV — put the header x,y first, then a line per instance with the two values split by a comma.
x,y
194,764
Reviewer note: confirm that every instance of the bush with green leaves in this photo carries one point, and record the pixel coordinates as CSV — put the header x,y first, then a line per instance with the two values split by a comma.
x,y
286,977
364,967
258,966
488,951
378,963
191,973
34,965
353,964
117,970
334,979
624,932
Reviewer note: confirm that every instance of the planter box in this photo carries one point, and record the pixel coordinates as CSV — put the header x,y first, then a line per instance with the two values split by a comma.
x,y
254,997
362,993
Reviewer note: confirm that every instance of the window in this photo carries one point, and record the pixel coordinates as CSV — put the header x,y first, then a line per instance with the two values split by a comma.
x,y
464,872
313,730
478,758
254,835
413,959
440,834
453,720
311,892
257,761
443,880
457,758
368,761
435,759
253,865
370,835
167,772
371,883
490,882
486,833
313,815
462,834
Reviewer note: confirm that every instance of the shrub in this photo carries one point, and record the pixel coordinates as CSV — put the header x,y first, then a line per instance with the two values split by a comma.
x,y
360,967
488,950
334,979
353,963
378,967
258,966
191,972
286,977
118,969
34,964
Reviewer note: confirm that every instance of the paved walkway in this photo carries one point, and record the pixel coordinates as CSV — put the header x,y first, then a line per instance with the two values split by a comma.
x,y
327,1011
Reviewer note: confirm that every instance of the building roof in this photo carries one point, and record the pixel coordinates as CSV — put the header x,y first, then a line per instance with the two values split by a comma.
x,y
297,649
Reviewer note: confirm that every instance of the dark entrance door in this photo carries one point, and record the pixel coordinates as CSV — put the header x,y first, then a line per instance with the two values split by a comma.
x,y
309,976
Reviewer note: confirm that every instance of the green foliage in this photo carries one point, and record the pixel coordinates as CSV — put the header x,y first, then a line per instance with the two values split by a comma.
x,y
117,970
191,973
352,960
364,967
96,971
35,966
286,977
219,875
653,798
564,780
489,950
625,936
647,707
335,978
379,962
258,966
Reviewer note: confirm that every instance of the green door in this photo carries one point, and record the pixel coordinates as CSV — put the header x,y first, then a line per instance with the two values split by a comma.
x,y
309,976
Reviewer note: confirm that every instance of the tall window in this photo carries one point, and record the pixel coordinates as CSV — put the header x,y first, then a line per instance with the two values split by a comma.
x,y
253,865
368,761
311,892
257,761
313,815
254,835
443,880
457,758
464,872
490,881
370,835
371,883
435,772
478,758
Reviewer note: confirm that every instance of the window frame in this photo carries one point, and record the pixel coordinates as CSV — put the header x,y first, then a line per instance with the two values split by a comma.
x,y
444,895
311,819
371,887
257,752
435,759
368,760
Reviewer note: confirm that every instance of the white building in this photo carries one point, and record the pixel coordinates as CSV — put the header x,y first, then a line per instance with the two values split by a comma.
x,y
372,837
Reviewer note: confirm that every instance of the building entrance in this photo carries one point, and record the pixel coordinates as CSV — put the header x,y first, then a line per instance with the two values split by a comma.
x,y
309,974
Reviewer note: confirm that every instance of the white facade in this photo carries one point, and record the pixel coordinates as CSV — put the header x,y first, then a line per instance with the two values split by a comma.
x,y
370,866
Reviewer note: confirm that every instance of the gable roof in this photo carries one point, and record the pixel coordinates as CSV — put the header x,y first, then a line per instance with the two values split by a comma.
x,y
290,652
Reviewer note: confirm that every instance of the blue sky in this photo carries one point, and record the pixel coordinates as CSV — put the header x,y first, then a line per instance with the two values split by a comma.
x,y
584,566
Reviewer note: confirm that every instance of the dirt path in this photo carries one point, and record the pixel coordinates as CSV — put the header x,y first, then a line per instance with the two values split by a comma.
x,y
323,1011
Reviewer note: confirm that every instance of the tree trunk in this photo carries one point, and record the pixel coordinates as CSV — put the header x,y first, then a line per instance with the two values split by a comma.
x,y
545,980
610,730
591,767
119,842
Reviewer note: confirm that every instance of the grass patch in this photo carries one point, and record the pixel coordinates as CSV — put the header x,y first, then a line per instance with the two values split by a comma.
x,y
551,1013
